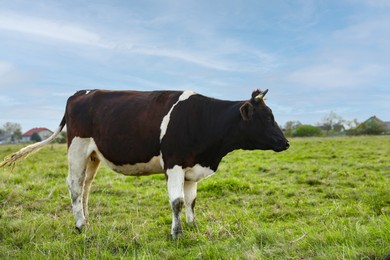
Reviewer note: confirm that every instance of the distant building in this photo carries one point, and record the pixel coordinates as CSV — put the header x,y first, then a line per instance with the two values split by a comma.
x,y
44,133
374,125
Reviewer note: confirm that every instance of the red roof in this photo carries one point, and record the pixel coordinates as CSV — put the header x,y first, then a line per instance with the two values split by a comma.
x,y
35,130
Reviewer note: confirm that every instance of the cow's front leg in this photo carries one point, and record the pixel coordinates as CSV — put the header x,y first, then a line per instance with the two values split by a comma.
x,y
175,185
189,200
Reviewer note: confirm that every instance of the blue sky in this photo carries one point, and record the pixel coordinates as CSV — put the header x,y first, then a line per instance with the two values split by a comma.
x,y
315,56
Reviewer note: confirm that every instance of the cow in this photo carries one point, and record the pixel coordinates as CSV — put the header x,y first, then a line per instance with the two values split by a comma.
x,y
182,134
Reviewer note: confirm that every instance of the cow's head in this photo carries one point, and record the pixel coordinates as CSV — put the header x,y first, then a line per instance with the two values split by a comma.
x,y
259,127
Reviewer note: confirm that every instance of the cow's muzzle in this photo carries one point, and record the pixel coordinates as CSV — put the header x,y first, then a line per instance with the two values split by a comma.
x,y
282,145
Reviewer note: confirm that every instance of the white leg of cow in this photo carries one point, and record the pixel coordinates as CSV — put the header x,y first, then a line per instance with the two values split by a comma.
x,y
78,158
175,185
189,200
92,166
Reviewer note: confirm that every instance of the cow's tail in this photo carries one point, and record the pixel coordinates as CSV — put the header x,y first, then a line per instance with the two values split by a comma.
x,y
24,152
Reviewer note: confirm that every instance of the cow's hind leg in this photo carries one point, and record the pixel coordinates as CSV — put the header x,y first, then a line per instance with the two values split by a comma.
x,y
175,183
92,167
189,200
78,159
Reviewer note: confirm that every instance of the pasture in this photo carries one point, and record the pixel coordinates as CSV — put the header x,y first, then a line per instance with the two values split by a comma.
x,y
324,198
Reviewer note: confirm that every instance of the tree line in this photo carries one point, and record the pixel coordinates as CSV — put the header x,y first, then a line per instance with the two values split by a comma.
x,y
334,125
330,125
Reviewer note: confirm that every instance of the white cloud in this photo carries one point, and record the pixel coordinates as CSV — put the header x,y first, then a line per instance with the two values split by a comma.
x,y
5,68
355,56
51,29
372,3
364,33
219,53
188,56
11,75
6,101
330,75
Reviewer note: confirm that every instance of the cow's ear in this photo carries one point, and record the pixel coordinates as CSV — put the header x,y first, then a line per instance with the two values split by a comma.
x,y
246,111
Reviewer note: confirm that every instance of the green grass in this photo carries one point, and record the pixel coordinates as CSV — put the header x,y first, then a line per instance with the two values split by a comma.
x,y
324,198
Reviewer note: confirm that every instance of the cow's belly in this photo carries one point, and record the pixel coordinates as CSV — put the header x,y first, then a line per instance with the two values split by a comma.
x,y
153,166
197,172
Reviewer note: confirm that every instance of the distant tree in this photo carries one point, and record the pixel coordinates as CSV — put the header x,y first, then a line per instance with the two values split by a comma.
x,y
372,127
352,123
332,122
17,135
35,137
306,131
11,127
14,129
61,139
290,126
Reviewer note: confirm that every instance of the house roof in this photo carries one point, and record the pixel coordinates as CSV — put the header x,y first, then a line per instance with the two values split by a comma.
x,y
35,130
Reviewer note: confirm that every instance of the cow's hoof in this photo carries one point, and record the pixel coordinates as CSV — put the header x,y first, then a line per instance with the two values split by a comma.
x,y
79,229
175,237
80,226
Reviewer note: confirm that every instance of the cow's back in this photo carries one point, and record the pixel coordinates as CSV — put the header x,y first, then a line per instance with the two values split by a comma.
x,y
125,125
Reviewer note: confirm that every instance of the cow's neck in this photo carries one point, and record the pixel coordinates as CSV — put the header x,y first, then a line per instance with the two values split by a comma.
x,y
227,137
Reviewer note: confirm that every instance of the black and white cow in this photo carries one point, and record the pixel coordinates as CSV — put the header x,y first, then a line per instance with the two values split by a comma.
x,y
180,133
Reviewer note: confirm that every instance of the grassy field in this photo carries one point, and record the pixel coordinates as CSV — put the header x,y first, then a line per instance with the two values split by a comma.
x,y
324,198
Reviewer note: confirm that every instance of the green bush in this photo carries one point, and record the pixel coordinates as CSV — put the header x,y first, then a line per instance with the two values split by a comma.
x,y
306,130
61,139
35,137
372,128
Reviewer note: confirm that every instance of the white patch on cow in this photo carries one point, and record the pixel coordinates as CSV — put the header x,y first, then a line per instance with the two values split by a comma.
x,y
164,124
197,172
80,147
79,151
87,92
175,184
161,160
88,145
151,167
189,197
